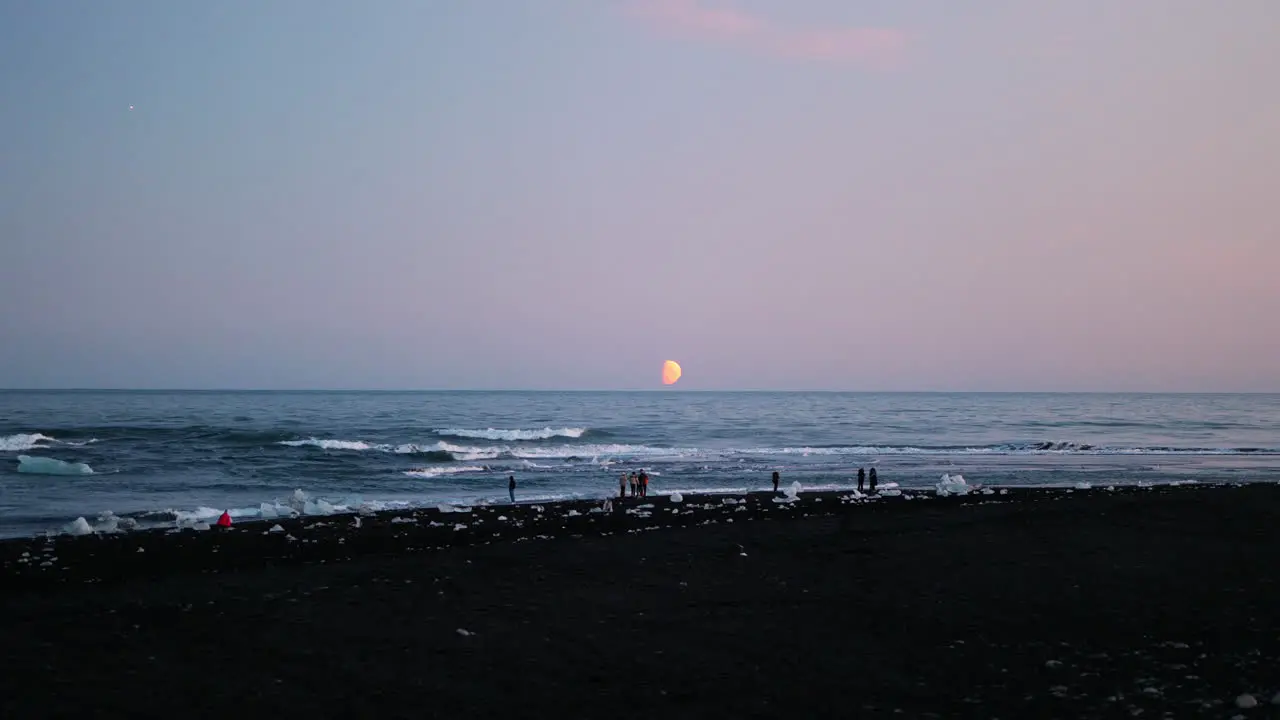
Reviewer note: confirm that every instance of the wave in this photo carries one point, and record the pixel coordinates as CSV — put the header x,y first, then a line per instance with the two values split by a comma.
x,y
545,433
430,472
24,441
1040,448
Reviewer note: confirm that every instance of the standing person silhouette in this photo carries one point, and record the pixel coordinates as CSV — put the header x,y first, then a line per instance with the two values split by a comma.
x,y
862,475
776,478
511,488
622,486
873,479
643,478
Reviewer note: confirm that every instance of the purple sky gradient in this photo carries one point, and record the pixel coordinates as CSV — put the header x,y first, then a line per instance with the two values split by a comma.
x,y
825,194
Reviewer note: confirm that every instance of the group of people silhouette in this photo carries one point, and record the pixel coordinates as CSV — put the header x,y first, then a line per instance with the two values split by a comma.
x,y
637,482
862,478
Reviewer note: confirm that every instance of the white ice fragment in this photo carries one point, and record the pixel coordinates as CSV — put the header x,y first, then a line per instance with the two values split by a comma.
x,y
1004,492
403,520
79,526
276,529
1246,701
502,518
952,485
793,492
677,497
35,465
729,501
1111,488
465,633
459,526
356,522
573,513
200,526
1053,664
142,549
988,491
1084,485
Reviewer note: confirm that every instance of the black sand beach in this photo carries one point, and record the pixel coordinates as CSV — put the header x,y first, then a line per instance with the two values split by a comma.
x,y
1155,602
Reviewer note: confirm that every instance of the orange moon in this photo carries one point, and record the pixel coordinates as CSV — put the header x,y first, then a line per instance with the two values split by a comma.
x,y
670,372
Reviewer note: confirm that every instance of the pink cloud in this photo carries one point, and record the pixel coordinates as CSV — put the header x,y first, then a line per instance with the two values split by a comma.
x,y
693,18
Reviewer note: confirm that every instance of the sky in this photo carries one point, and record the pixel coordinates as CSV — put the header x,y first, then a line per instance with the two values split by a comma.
x,y
562,194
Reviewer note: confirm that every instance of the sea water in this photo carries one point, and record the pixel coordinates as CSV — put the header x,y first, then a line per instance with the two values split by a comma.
x,y
158,458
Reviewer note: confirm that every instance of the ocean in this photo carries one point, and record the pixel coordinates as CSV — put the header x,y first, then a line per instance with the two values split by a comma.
x,y
124,459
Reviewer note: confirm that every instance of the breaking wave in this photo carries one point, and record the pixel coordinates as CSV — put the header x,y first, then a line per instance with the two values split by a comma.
x,y
430,472
545,433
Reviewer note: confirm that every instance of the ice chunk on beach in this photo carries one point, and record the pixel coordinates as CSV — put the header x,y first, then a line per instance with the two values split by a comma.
x,y
790,495
952,485
677,497
1084,485
36,465
79,526
276,529
1246,701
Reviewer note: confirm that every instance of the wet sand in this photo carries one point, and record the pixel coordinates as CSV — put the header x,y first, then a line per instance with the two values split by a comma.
x,y
1044,603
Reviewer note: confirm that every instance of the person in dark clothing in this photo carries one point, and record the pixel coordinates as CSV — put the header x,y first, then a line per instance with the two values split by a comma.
x,y
644,483
873,479
622,486
862,475
776,478
511,488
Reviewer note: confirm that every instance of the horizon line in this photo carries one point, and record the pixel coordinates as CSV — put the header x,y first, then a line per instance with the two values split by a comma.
x,y
626,390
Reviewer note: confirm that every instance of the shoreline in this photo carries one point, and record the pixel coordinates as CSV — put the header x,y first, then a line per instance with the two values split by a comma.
x,y
1035,603
92,557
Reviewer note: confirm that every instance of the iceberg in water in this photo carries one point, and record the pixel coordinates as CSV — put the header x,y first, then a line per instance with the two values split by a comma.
x,y
51,466
952,485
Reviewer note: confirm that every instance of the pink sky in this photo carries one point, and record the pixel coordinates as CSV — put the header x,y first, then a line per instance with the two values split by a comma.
x,y
826,194
723,21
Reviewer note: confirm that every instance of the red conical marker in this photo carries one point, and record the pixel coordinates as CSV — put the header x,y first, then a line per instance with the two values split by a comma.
x,y
225,520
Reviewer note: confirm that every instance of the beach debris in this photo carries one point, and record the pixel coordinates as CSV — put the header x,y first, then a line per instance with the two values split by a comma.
x,y
677,497
952,485
224,520
1245,701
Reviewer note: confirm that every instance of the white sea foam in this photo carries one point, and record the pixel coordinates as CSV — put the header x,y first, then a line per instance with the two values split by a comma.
x,y
430,472
510,435
327,444
24,441
35,465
